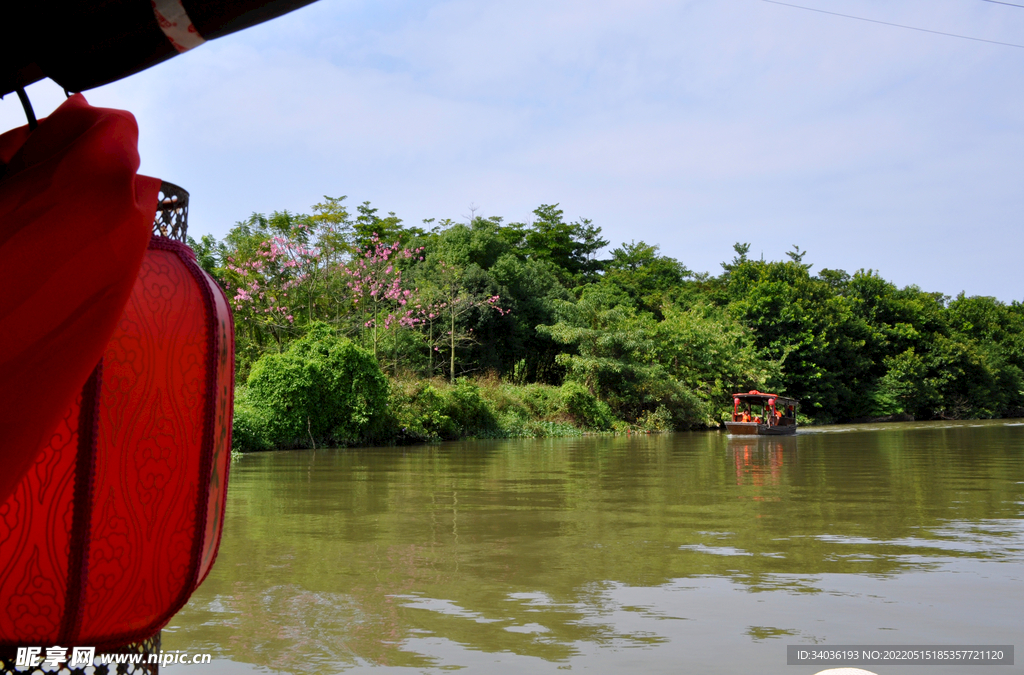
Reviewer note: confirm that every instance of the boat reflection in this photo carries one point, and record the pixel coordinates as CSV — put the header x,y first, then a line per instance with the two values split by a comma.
x,y
758,460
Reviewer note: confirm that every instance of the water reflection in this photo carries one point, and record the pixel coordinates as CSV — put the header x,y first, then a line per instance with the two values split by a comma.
x,y
615,553
759,459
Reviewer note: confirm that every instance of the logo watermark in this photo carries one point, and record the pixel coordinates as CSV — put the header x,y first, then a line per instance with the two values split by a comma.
x,y
82,657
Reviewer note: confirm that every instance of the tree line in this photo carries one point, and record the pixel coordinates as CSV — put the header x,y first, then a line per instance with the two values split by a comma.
x,y
641,338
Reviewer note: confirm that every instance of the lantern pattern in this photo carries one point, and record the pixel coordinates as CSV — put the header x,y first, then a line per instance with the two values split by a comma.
x,y
119,518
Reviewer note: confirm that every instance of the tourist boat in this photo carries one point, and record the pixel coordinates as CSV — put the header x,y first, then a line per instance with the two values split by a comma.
x,y
758,414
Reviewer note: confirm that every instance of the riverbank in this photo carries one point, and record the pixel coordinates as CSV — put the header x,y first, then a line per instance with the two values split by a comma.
x,y
425,411
430,411
324,390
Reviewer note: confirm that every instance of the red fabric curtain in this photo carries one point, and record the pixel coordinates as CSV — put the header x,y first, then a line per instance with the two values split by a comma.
x,y
75,219
114,517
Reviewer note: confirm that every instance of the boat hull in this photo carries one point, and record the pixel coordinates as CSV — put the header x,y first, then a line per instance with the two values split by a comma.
x,y
755,429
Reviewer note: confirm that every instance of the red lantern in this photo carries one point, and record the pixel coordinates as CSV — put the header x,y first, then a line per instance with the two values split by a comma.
x,y
119,516
111,502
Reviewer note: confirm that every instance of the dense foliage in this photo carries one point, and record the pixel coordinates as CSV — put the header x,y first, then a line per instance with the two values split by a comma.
x,y
322,389
634,339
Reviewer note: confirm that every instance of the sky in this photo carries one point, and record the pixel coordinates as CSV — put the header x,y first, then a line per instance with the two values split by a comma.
x,y
688,124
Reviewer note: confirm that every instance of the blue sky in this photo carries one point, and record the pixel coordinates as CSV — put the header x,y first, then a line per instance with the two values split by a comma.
x,y
691,125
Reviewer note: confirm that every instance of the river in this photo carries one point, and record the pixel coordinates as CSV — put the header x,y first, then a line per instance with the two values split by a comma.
x,y
669,553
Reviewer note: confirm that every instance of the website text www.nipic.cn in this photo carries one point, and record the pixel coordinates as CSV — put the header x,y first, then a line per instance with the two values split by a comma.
x,y
80,657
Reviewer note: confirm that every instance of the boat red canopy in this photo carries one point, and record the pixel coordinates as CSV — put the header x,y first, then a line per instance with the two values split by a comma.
x,y
760,398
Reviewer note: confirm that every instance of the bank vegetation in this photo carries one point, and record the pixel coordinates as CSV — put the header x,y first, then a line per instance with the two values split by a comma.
x,y
354,327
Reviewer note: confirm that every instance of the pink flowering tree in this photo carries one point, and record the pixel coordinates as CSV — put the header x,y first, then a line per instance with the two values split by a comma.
x,y
378,292
277,282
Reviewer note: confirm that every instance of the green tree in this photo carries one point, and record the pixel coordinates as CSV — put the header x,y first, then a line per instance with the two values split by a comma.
x,y
457,303
801,324
571,247
529,289
648,278
210,255
477,243
616,359
322,389
388,229
902,326
712,354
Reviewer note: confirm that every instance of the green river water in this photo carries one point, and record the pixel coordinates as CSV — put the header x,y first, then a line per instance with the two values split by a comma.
x,y
671,553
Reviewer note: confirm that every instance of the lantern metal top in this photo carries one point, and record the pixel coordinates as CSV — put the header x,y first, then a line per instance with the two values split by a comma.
x,y
171,213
